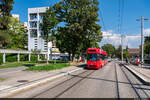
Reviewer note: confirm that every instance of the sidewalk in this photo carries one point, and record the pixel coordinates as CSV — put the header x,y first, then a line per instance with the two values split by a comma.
x,y
142,72
18,80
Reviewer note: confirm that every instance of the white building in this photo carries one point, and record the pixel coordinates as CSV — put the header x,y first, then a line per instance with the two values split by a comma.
x,y
35,42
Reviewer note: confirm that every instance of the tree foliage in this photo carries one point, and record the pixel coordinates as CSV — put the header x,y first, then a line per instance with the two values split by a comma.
x,y
110,49
147,45
18,39
49,24
5,7
80,30
118,51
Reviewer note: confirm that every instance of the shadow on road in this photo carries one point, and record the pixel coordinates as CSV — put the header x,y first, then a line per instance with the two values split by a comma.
x,y
100,79
28,65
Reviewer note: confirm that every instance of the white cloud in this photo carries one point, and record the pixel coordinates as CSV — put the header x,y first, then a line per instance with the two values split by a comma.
x,y
147,32
115,39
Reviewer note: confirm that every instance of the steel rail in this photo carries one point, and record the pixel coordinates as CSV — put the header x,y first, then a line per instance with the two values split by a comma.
x,y
139,97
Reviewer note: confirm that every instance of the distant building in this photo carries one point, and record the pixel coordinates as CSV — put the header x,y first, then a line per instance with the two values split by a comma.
x,y
134,52
35,41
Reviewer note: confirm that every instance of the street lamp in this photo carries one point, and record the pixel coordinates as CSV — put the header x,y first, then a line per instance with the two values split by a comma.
x,y
142,29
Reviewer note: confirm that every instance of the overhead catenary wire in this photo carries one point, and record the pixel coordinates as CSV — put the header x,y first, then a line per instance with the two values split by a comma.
x,y
103,23
102,19
120,15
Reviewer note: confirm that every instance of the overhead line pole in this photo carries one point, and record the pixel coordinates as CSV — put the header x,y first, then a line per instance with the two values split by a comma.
x,y
142,37
142,28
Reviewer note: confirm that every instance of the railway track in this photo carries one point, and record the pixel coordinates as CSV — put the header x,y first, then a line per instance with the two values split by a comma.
x,y
139,85
83,74
117,84
121,79
130,82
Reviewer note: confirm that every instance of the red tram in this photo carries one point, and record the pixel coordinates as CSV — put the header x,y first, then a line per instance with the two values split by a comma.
x,y
96,58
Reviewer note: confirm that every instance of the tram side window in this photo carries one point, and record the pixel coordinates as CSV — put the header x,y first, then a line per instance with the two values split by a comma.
x,y
92,57
102,56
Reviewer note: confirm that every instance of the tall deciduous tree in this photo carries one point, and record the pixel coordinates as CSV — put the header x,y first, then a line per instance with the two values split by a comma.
x,y
118,51
110,49
18,39
48,26
81,30
147,45
5,8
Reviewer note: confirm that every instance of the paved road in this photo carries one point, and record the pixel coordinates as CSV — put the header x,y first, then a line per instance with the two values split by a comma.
x,y
112,81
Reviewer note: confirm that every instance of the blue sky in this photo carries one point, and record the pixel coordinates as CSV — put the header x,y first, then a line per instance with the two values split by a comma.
x,y
133,9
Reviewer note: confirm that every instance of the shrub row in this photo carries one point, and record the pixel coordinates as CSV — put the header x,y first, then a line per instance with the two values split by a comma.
x,y
1,58
23,57
48,67
53,61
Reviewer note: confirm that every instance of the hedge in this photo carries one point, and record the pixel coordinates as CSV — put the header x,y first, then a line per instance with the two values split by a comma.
x,y
11,57
24,57
1,58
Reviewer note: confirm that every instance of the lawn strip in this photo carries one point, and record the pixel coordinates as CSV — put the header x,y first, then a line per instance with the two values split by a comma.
x,y
48,67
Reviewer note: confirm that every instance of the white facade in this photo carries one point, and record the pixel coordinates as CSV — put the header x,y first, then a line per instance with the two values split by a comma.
x,y
35,42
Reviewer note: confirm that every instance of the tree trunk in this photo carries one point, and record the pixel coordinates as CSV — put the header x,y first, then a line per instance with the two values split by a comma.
x,y
47,55
69,56
73,57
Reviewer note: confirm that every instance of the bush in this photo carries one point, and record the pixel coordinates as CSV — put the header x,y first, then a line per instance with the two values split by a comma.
x,y
1,58
23,57
147,61
14,57
58,61
34,58
11,57
42,57
48,67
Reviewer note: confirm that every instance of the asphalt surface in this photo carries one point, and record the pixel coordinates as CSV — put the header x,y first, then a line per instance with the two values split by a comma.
x,y
112,81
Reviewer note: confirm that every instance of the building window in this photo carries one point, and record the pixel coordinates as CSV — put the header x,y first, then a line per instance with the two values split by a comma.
x,y
33,16
33,33
33,24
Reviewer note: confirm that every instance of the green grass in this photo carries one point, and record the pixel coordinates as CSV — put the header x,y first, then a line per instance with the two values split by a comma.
x,y
16,64
1,79
48,67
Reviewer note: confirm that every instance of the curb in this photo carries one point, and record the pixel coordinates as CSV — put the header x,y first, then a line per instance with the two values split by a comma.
x,y
14,90
143,77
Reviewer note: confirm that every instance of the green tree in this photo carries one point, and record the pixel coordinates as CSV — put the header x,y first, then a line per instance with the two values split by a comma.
x,y
48,26
147,45
126,54
19,38
118,52
110,49
81,29
147,48
147,39
5,8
